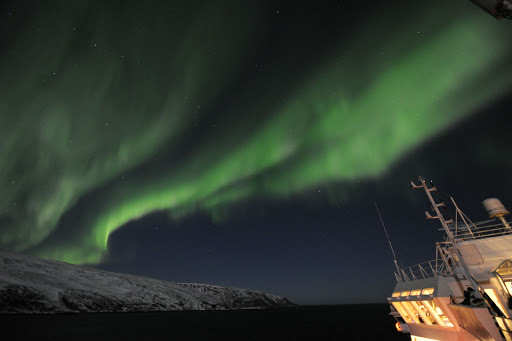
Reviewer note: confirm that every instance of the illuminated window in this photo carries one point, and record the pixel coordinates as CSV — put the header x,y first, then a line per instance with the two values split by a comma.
x,y
505,268
494,297
437,313
396,294
416,292
424,313
429,305
405,315
508,284
405,293
412,311
427,291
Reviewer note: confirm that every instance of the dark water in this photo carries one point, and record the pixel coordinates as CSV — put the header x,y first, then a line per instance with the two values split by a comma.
x,y
342,322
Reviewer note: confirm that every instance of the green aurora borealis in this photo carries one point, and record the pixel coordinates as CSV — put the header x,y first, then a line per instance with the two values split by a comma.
x,y
118,114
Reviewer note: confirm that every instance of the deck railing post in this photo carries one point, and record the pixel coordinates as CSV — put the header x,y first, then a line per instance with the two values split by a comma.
x,y
412,274
433,272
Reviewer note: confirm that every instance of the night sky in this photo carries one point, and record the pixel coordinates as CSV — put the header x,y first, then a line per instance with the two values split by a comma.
x,y
244,143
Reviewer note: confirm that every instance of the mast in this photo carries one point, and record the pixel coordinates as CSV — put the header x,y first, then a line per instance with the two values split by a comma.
x,y
447,230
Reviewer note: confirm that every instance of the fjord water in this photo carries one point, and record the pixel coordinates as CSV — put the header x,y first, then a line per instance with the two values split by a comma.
x,y
337,322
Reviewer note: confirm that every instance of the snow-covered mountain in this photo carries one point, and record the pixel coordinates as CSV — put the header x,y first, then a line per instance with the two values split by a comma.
x,y
34,285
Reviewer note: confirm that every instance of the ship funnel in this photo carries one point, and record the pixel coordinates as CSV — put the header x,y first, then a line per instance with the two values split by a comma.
x,y
495,209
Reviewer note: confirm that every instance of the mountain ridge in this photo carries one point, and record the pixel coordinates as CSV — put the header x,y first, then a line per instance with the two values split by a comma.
x,y
34,285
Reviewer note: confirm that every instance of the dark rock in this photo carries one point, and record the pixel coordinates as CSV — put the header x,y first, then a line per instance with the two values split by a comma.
x,y
21,299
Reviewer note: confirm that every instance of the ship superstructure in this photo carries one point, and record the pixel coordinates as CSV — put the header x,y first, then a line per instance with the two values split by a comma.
x,y
465,293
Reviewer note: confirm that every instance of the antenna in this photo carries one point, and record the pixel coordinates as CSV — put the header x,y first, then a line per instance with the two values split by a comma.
x,y
398,271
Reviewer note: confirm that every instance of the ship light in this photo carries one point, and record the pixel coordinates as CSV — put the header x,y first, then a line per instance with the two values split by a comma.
x,y
398,326
427,291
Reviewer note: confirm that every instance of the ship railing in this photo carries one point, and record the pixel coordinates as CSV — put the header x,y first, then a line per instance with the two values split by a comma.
x,y
485,229
440,266
428,269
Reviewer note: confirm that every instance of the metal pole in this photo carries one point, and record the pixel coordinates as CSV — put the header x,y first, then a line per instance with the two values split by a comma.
x,y
459,212
389,241
505,222
449,234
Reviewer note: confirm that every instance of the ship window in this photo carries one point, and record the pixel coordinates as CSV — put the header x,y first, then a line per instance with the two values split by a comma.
x,y
494,297
505,268
508,284
438,313
405,315
412,311
416,292
396,294
425,314
432,311
405,293
427,291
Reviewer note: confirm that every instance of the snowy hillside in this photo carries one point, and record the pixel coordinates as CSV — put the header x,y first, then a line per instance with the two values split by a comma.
x,y
34,285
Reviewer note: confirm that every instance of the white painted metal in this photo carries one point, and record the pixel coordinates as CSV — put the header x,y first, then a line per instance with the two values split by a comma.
x,y
495,208
470,257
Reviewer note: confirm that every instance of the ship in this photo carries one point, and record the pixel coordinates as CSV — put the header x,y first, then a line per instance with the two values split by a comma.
x,y
465,293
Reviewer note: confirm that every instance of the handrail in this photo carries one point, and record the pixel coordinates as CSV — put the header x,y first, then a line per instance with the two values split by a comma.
x,y
461,232
482,230
423,270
